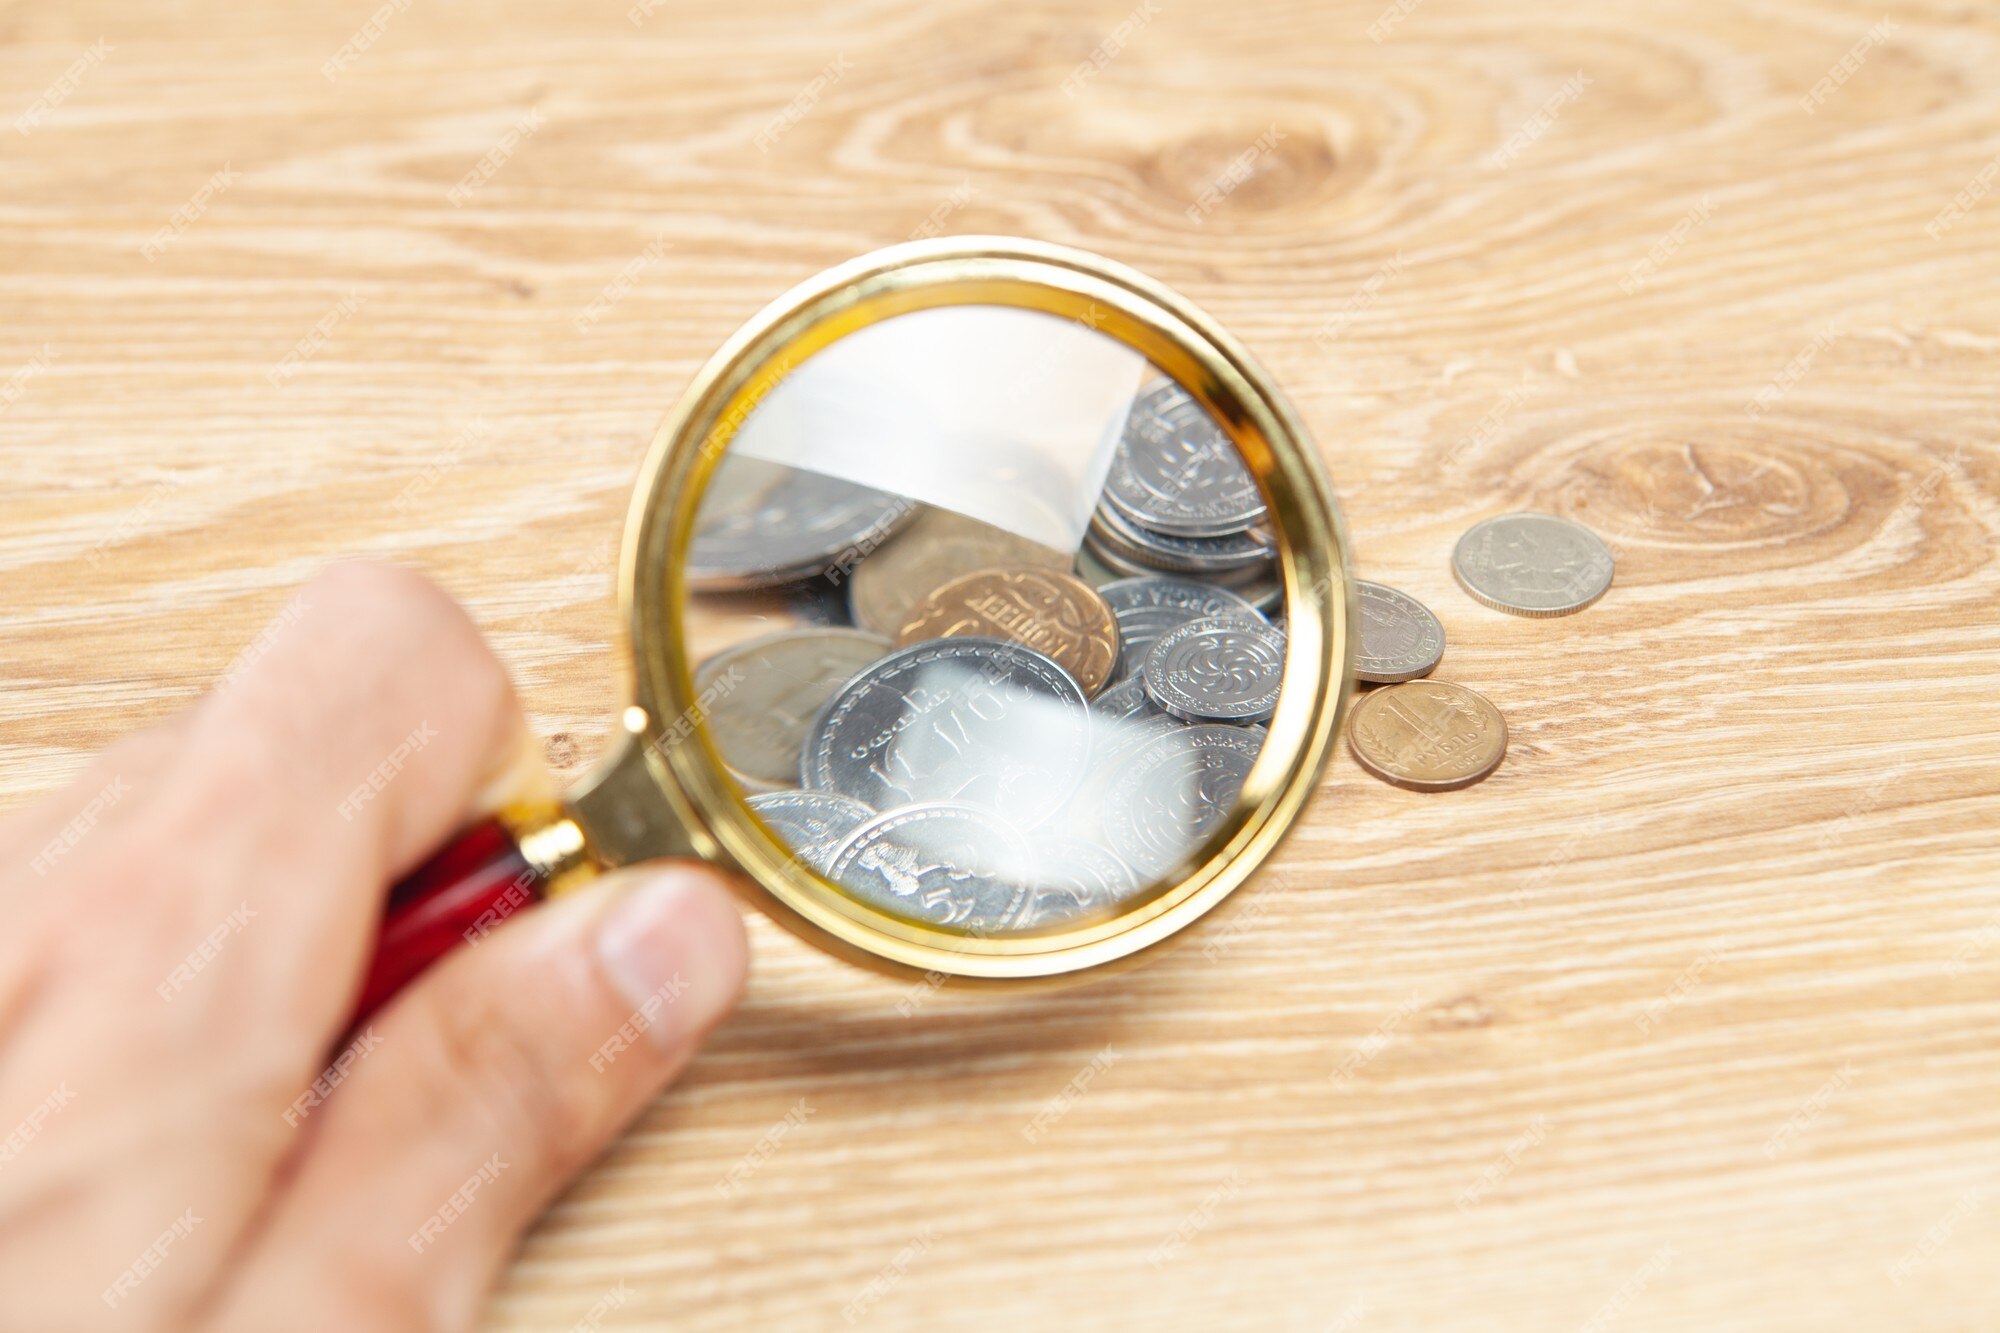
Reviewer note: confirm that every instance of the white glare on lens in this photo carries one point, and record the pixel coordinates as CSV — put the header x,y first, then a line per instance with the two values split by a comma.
x,y
1003,415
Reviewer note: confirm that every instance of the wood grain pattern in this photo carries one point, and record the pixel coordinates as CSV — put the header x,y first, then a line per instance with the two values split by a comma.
x,y
1521,1056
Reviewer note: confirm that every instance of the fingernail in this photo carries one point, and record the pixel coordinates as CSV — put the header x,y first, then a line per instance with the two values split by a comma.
x,y
672,947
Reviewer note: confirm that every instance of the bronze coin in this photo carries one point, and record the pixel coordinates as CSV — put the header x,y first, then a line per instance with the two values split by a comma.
x,y
1427,735
1056,614
934,549
763,695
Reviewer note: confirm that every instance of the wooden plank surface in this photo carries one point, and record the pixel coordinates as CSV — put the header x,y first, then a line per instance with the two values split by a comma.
x,y
1689,1017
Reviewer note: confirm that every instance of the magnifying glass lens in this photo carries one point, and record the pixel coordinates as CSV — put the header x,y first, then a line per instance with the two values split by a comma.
x,y
986,620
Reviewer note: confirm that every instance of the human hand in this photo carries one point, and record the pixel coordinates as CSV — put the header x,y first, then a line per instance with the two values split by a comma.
x,y
188,925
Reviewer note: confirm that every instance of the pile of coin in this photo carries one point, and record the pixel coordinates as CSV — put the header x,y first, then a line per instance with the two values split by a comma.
x,y
1431,735
981,733
989,735
1178,500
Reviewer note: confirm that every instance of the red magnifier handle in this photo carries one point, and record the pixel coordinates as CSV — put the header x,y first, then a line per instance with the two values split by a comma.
x,y
476,881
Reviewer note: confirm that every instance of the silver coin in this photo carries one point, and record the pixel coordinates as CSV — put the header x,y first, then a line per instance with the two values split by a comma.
x,y
1115,740
1177,791
1125,700
942,863
1121,543
1122,719
1110,558
1119,740
1175,471
1147,608
1256,579
1076,882
811,823
1257,584
1227,669
973,720
1532,564
762,524
1400,638
1127,562
763,696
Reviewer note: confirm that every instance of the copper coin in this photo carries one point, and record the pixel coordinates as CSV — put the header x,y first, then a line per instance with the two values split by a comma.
x,y
1427,735
1052,612
934,549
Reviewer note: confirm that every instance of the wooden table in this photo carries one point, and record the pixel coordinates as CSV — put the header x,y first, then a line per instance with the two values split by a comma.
x,y
1688,1018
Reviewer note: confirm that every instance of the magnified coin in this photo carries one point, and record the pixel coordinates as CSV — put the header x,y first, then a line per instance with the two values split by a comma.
x,y
1120,543
1176,472
1223,670
1427,735
1127,699
1076,881
1148,607
1122,720
1120,566
1532,564
1114,742
1050,611
765,693
979,720
936,547
811,823
944,863
762,524
1400,638
1176,791
1122,737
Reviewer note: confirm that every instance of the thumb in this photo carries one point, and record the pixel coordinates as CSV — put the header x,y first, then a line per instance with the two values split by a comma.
x,y
484,1088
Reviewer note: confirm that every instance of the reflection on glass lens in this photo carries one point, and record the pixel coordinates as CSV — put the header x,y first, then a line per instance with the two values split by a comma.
x,y
987,620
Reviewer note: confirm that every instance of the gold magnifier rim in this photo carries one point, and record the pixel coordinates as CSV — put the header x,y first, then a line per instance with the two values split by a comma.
x,y
1177,338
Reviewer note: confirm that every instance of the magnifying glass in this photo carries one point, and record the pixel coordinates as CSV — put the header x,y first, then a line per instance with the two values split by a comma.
x,y
990,613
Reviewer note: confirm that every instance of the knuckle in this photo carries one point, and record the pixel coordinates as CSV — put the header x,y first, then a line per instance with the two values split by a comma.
x,y
377,643
351,584
406,619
